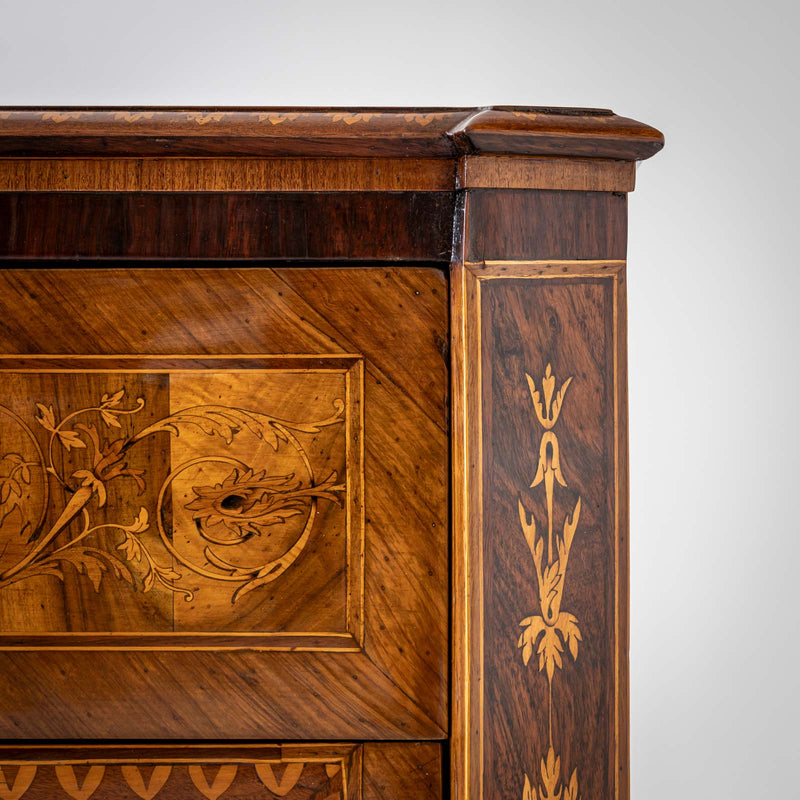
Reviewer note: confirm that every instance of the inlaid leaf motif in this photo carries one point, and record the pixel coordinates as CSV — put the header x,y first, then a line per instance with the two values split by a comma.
x,y
420,119
551,787
571,791
110,419
47,417
70,439
131,547
291,774
226,422
90,481
11,485
94,563
128,116
21,783
349,119
61,116
18,465
220,783
547,412
147,791
69,780
277,119
164,575
553,629
529,793
203,119
8,487
141,522
551,767
112,401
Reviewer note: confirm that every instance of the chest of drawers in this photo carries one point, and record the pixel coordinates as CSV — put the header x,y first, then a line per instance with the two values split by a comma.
x,y
313,441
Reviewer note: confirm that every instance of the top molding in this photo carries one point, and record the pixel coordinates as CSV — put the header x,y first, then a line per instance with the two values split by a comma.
x,y
29,132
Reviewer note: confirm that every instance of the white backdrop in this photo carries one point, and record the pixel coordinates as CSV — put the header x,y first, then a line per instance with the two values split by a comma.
x,y
713,281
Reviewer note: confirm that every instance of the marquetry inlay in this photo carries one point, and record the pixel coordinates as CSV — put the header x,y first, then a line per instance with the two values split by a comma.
x,y
172,496
552,629
291,772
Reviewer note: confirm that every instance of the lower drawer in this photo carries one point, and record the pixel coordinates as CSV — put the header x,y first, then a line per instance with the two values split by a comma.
x,y
370,771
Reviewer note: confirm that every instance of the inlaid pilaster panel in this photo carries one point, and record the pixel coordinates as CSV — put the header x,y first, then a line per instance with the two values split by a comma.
x,y
541,537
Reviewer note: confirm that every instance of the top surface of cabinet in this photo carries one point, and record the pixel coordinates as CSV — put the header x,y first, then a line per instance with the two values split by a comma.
x,y
357,132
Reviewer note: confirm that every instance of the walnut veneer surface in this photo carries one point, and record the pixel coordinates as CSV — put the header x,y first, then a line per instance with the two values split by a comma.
x,y
313,452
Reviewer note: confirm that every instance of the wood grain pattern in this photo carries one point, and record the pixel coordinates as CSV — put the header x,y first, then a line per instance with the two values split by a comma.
x,y
396,226
518,224
402,771
564,174
595,133
407,132
308,771
226,175
395,687
557,720
313,174
324,132
409,406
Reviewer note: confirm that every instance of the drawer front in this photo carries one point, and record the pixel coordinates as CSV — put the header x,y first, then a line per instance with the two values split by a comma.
x,y
295,772
224,503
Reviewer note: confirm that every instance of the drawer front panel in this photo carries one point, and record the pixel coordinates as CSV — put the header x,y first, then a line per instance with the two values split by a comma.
x,y
224,503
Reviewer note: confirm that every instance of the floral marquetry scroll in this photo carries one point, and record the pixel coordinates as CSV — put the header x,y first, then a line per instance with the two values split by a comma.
x,y
160,497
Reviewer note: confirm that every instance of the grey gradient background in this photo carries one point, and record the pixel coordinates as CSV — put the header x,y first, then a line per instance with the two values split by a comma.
x,y
713,283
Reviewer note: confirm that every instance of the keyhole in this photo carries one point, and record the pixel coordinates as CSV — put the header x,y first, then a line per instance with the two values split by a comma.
x,y
233,502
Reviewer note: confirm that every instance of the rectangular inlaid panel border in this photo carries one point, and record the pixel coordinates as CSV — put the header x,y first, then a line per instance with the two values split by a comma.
x,y
351,366
471,682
